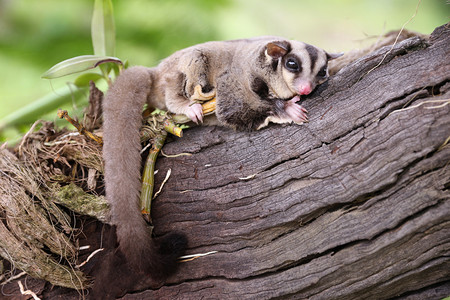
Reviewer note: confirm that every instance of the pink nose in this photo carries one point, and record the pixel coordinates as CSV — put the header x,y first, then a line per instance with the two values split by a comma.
x,y
305,89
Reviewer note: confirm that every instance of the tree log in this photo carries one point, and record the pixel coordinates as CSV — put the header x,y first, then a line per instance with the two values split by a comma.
x,y
354,204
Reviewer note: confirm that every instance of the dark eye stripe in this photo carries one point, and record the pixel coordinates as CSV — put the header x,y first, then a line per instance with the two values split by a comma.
x,y
313,55
274,64
323,71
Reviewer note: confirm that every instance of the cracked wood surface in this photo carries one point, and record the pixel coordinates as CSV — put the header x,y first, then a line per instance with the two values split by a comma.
x,y
353,205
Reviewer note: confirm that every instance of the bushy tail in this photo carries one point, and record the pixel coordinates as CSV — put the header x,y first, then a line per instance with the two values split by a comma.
x,y
122,113
114,276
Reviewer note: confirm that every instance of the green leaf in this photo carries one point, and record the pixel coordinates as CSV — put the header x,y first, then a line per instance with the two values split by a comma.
x,y
102,28
116,69
84,79
126,64
106,68
78,64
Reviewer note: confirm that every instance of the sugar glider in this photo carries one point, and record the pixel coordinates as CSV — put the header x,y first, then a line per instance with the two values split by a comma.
x,y
255,81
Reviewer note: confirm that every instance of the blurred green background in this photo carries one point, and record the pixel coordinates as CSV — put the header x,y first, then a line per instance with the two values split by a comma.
x,y
35,35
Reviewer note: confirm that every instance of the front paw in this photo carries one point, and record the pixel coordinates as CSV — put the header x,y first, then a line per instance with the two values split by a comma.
x,y
295,111
195,112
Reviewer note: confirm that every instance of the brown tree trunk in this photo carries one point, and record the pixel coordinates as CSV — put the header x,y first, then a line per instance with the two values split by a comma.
x,y
354,204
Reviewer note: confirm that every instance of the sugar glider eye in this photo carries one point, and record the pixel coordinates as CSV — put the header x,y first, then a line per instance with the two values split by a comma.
x,y
292,65
322,72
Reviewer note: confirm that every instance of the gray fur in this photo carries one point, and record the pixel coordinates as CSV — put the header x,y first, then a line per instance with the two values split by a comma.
x,y
251,87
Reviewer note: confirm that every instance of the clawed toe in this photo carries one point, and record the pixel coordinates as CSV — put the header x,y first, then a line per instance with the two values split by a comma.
x,y
195,113
296,112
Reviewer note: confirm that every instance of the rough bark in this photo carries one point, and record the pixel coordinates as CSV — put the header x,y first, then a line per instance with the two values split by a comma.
x,y
354,204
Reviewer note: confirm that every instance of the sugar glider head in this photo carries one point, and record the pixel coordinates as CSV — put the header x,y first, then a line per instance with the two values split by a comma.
x,y
299,67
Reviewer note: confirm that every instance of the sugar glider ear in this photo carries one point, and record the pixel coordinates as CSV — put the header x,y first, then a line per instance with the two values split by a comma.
x,y
278,49
331,56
